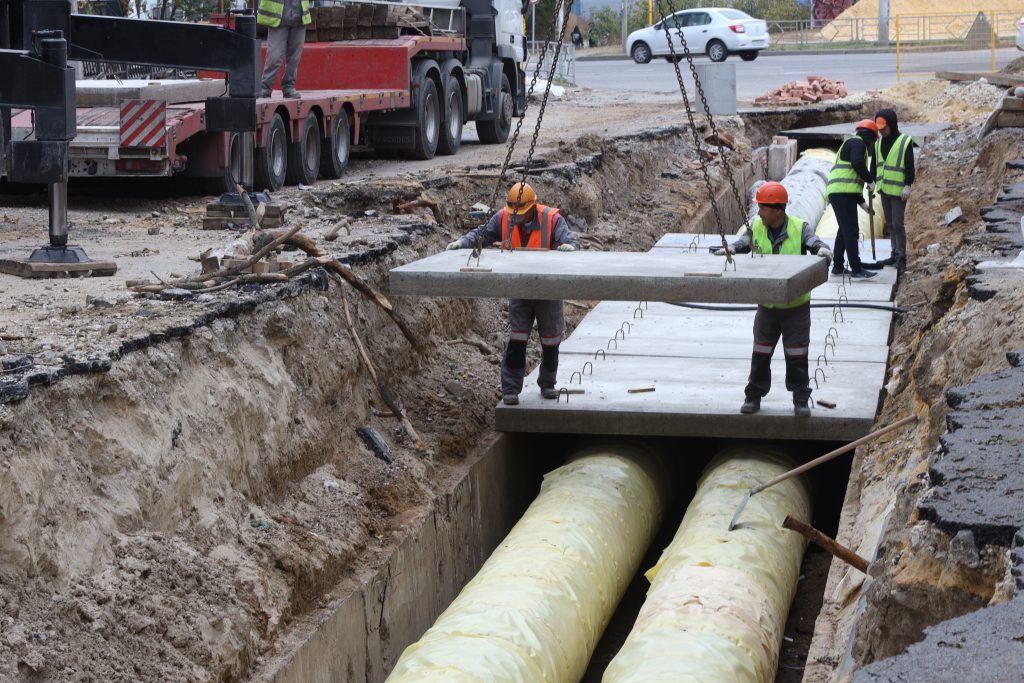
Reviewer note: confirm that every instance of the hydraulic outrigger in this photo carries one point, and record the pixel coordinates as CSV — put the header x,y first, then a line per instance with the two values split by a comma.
x,y
38,37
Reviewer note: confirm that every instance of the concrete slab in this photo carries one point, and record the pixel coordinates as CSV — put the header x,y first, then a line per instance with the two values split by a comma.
x,y
659,275
839,131
97,93
669,331
695,399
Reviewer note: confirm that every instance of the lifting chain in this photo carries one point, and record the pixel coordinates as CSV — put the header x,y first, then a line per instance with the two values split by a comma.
x,y
559,10
743,205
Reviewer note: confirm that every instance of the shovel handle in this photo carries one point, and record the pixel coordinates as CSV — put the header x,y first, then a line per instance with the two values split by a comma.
x,y
834,454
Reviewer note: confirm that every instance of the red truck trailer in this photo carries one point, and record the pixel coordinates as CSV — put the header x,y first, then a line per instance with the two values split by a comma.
x,y
409,94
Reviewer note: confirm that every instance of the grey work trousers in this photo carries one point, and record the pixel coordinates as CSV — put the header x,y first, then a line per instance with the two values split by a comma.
x,y
283,43
894,209
550,324
794,326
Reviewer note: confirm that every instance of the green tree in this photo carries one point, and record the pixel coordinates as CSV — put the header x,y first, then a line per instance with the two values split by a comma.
x,y
605,26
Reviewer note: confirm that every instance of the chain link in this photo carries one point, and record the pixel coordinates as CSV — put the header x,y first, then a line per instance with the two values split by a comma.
x,y
741,202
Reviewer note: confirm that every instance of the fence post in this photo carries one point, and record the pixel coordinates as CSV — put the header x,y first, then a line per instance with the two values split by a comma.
x,y
897,48
992,42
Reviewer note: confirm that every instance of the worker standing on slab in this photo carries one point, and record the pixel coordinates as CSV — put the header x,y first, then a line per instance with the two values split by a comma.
x,y
287,21
894,175
775,232
525,224
845,192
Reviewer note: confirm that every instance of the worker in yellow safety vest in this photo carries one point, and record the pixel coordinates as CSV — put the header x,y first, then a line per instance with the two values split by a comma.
x,y
894,175
775,232
524,223
287,21
845,192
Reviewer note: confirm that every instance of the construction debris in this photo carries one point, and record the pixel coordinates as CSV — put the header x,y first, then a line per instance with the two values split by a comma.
x,y
816,89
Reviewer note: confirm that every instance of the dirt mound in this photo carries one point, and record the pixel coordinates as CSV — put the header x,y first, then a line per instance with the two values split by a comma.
x,y
938,101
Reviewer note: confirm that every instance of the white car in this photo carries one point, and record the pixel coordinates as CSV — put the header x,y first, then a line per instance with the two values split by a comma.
x,y
715,31
1020,34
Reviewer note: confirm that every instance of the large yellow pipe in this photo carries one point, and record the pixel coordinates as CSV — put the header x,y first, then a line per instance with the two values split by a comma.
x,y
537,608
718,599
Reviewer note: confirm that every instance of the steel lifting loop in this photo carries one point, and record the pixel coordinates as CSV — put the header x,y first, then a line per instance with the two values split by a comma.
x,y
837,315
821,357
834,332
840,289
841,299
618,332
638,310
832,344
627,325
604,356
824,377
829,339
645,305
825,352
562,391
574,374
588,363
609,344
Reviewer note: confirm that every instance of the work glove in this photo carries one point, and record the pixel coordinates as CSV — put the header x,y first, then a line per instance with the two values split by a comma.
x,y
905,195
866,209
566,247
457,244
826,254
871,188
721,252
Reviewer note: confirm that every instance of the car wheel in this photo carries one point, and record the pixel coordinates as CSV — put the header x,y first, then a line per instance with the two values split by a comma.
x,y
748,55
640,53
717,51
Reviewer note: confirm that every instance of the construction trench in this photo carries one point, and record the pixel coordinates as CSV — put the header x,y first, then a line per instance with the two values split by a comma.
x,y
185,495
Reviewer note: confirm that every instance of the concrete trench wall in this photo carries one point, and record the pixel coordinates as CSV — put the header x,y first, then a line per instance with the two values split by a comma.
x,y
364,634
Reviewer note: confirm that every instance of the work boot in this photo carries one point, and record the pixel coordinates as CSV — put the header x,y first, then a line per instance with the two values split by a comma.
x,y
510,399
293,93
842,271
801,408
862,275
751,405
549,392
901,264
878,265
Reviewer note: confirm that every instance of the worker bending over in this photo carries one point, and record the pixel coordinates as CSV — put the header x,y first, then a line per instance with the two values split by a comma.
x,y
524,223
775,232
845,192
894,173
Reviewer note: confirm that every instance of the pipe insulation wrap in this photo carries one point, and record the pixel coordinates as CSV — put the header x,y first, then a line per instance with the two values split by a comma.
x,y
826,225
805,184
718,600
536,609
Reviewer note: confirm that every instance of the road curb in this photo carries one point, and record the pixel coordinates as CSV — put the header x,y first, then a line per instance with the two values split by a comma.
x,y
788,53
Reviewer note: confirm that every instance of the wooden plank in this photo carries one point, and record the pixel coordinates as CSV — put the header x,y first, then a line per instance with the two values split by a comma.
x,y
995,79
33,270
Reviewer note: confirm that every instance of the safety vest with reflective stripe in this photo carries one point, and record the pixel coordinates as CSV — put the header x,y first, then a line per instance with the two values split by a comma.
x,y
793,244
270,13
540,238
843,179
892,174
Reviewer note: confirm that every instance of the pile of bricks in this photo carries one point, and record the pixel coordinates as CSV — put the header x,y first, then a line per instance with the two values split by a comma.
x,y
816,89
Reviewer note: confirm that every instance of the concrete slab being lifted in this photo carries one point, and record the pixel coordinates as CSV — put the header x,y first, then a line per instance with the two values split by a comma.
x,y
658,275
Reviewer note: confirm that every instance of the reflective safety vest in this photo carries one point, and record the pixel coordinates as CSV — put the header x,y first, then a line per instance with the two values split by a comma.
x,y
892,173
540,238
793,244
270,13
843,179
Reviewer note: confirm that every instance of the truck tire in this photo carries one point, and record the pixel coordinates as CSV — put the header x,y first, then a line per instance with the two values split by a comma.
x,y
232,173
451,131
496,130
335,149
304,153
271,164
428,122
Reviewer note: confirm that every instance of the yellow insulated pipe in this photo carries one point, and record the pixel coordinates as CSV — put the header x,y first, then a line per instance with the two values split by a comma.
x,y
537,607
718,599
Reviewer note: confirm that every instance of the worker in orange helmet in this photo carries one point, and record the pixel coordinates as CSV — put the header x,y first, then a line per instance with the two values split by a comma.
x,y
525,223
845,192
775,232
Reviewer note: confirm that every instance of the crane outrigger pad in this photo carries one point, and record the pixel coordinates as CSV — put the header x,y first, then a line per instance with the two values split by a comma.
x,y
660,275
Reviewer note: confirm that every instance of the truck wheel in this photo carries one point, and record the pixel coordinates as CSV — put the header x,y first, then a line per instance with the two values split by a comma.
x,y
232,173
334,150
451,133
428,122
304,153
271,163
496,130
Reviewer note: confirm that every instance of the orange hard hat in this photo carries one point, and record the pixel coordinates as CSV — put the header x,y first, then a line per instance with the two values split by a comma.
x,y
772,193
869,125
521,198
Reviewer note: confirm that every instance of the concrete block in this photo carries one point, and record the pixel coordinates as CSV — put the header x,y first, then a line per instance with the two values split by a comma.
x,y
781,157
718,81
95,93
658,275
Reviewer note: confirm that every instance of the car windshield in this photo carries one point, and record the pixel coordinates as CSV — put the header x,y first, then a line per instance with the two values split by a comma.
x,y
734,14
